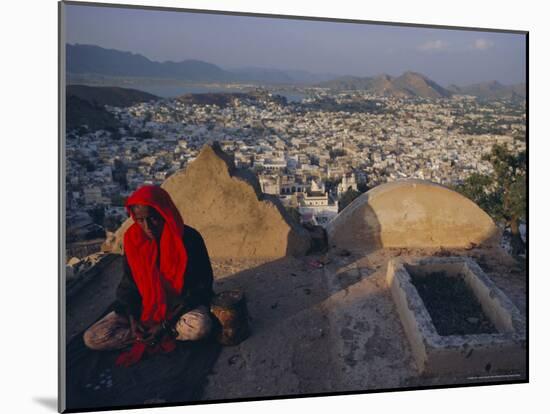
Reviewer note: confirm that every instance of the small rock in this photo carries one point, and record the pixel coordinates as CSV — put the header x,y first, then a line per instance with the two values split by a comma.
x,y
97,387
473,320
233,359
442,252
325,260
316,264
88,385
471,246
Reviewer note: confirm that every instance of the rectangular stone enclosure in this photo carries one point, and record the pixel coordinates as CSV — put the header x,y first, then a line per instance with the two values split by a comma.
x,y
487,354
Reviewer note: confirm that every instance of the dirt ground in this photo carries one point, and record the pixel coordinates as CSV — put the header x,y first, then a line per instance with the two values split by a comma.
x,y
327,323
319,323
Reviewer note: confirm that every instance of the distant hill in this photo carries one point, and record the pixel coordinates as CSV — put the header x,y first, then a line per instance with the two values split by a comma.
x,y
110,95
491,90
409,84
81,112
419,85
86,104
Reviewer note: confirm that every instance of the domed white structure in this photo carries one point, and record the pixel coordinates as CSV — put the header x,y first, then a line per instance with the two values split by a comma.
x,y
412,213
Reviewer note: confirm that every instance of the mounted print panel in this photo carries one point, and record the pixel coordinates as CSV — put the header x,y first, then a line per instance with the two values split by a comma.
x,y
260,206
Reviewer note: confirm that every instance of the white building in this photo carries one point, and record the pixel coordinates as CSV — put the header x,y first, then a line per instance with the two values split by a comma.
x,y
270,185
348,182
317,208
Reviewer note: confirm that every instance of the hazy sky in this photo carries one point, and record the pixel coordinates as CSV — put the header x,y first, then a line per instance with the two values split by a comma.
x,y
446,56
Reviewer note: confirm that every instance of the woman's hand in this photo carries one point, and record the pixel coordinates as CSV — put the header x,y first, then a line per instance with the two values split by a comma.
x,y
141,333
137,330
152,333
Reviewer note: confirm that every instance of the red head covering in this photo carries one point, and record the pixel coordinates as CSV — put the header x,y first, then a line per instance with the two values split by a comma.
x,y
154,282
142,253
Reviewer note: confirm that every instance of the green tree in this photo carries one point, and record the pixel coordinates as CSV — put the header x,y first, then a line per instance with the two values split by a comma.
x,y
502,194
475,187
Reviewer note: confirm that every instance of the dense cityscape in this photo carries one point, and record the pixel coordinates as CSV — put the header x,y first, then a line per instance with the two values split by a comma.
x,y
310,153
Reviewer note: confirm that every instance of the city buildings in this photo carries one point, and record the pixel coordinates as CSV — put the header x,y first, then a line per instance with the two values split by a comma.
x,y
305,153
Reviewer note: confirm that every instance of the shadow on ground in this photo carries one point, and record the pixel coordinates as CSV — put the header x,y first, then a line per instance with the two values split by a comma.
x,y
319,324
94,381
48,402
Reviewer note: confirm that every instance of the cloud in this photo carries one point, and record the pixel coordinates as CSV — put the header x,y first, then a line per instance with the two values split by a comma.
x,y
482,44
433,45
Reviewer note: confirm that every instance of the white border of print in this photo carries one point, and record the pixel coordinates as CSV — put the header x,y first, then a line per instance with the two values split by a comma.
x,y
29,209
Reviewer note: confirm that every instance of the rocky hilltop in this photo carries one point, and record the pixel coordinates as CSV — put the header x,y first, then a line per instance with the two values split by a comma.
x,y
409,84
86,105
225,204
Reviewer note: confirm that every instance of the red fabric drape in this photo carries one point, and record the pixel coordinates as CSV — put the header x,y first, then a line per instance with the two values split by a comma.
x,y
154,282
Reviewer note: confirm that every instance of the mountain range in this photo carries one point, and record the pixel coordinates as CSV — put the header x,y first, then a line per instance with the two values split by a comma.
x,y
91,59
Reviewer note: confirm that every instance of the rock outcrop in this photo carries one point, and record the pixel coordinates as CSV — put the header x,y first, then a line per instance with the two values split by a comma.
x,y
227,207
411,213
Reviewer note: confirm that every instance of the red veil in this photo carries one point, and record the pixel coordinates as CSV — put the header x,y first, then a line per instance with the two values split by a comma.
x,y
154,282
